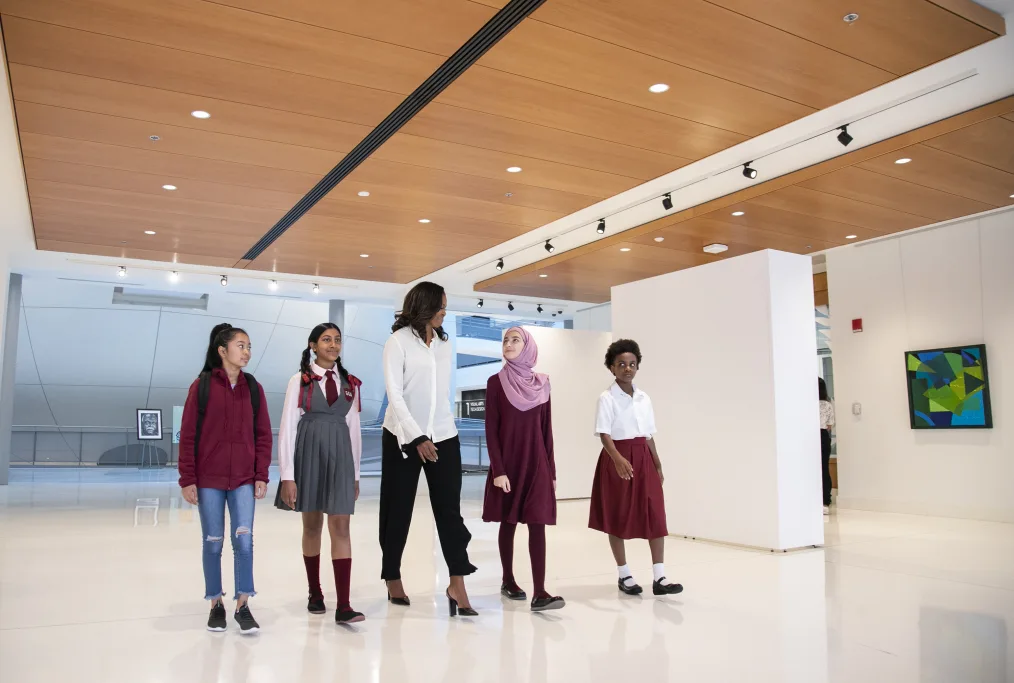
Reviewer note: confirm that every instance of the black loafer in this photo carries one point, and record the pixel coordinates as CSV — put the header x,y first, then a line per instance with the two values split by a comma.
x,y
512,592
315,605
543,604
348,616
632,589
658,588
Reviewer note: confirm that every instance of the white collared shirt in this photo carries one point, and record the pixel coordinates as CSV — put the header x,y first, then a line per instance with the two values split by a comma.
x,y
291,412
418,382
622,416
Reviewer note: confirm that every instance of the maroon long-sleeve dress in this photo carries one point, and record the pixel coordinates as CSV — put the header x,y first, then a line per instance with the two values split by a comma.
x,y
520,445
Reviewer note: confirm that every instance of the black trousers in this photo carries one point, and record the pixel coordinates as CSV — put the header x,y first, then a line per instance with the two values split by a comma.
x,y
825,462
398,484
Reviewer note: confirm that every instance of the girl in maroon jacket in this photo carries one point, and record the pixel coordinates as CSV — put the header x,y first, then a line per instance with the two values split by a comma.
x,y
226,464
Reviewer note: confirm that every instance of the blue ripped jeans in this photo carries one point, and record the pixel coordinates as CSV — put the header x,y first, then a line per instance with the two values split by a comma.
x,y
211,506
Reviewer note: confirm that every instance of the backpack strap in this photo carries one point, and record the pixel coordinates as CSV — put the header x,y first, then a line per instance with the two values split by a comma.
x,y
203,391
255,399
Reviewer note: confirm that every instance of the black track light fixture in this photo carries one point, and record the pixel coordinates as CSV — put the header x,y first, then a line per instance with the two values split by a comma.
x,y
601,229
843,137
750,173
480,303
499,265
667,201
549,247
510,305
539,308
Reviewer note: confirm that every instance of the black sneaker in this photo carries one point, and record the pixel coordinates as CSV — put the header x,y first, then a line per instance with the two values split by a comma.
x,y
629,588
247,624
659,588
315,605
216,620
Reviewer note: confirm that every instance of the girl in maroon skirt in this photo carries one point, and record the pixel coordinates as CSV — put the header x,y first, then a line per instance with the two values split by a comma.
x,y
521,485
627,500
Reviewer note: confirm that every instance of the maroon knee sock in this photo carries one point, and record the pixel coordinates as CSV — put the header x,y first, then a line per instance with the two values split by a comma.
x,y
342,579
313,575
537,550
507,552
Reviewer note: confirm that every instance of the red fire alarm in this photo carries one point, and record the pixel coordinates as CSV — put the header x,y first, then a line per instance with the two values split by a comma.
x,y
857,324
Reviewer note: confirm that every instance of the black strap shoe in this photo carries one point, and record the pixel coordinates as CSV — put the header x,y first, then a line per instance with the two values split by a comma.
x,y
247,624
315,605
548,603
659,588
512,592
216,620
347,615
630,588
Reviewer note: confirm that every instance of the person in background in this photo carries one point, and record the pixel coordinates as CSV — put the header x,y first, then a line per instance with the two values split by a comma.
x,y
320,445
420,435
225,451
627,500
826,423
521,484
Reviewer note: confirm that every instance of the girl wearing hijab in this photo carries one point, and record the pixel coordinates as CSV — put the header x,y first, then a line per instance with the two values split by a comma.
x,y
521,485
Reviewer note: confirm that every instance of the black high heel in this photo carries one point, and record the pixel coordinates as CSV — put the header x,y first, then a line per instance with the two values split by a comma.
x,y
453,609
402,602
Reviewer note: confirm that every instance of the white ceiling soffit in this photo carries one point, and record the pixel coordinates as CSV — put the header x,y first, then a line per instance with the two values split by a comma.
x,y
965,81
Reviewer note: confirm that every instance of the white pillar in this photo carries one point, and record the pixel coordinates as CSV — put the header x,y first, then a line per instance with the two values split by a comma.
x,y
729,355
8,365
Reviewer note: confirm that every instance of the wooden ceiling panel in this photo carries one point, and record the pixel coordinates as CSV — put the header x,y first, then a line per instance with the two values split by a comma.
x,y
780,219
128,252
990,143
713,40
899,37
696,233
892,193
801,200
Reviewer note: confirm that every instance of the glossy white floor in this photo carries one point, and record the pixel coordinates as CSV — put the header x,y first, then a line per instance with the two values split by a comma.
x,y
92,590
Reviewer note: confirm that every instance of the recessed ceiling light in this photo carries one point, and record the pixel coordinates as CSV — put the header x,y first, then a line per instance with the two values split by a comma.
x,y
850,237
903,160
364,256
1012,196
424,220
154,138
200,114
543,275
364,193
850,18
659,87
149,232
514,169
624,248
715,248
738,213
169,187
660,239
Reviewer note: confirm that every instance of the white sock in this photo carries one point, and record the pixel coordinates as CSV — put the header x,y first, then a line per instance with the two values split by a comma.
x,y
625,574
658,569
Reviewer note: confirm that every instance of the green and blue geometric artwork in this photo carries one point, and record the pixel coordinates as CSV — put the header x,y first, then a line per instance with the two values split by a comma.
x,y
948,388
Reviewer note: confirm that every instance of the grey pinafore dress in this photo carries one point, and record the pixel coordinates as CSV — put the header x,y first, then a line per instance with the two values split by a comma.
x,y
323,467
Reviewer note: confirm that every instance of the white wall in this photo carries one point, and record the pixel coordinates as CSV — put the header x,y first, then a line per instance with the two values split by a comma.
x,y
940,287
597,318
573,361
729,365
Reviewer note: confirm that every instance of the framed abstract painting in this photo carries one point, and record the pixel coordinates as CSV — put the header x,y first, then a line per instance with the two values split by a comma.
x,y
948,388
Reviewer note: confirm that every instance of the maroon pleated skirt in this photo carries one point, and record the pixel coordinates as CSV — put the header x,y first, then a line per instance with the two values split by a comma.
x,y
632,508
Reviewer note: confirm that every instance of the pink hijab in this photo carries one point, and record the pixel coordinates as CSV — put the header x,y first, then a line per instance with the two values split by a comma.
x,y
524,387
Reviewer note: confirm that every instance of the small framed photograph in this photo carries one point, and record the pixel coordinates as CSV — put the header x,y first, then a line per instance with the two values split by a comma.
x,y
149,424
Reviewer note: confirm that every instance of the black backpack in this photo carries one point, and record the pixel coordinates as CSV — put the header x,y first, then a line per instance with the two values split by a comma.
x,y
204,391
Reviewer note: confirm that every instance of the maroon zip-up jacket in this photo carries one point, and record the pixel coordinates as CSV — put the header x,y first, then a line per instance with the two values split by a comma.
x,y
228,458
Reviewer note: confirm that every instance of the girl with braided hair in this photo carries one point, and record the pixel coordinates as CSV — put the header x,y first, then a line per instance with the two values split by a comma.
x,y
319,449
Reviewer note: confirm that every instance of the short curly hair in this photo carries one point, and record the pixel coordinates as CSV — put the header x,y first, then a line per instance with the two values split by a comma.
x,y
620,347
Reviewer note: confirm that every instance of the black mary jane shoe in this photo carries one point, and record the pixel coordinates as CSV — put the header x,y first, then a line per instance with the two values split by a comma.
x,y
348,615
658,588
512,592
315,605
453,609
545,604
632,589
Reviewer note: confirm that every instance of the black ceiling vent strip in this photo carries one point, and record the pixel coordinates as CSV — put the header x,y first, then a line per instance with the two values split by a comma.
x,y
489,35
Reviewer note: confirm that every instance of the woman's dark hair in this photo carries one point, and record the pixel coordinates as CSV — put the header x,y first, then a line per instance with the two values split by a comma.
x,y
304,364
821,389
221,335
422,303
619,347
